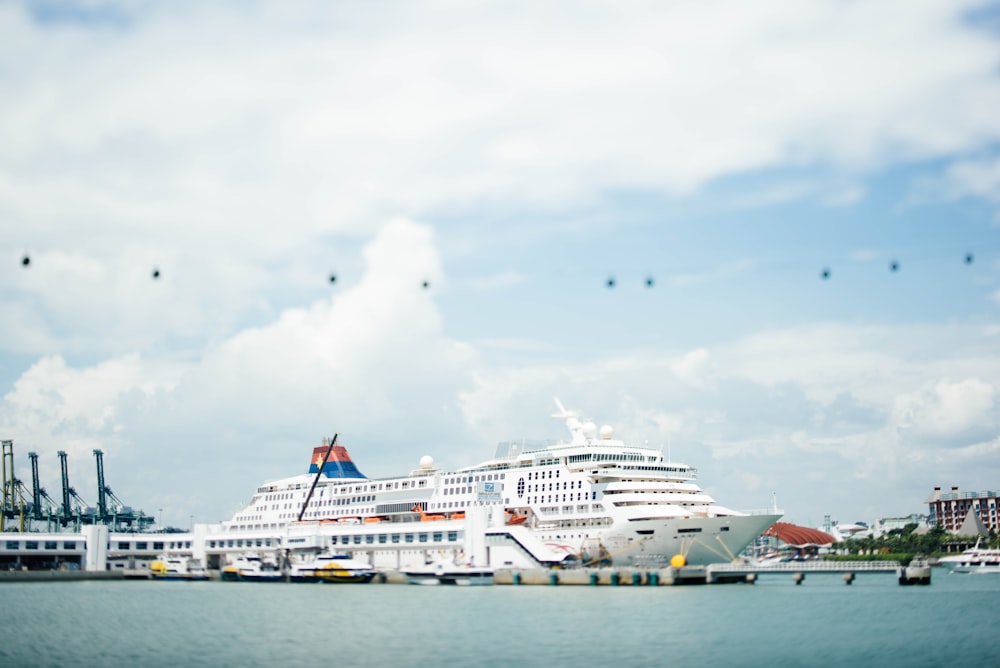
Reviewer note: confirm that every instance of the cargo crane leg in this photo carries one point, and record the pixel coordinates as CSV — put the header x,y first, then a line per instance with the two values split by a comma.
x,y
13,495
102,501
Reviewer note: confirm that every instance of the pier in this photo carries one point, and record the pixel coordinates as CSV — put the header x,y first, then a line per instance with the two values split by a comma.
x,y
704,575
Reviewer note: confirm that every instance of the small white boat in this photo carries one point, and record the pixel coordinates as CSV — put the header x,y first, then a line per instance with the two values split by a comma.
x,y
177,568
332,568
443,573
769,559
251,568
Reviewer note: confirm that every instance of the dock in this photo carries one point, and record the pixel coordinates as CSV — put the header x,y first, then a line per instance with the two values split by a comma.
x,y
704,575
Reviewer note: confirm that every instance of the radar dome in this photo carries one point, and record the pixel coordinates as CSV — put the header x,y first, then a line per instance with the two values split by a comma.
x,y
606,432
589,429
426,462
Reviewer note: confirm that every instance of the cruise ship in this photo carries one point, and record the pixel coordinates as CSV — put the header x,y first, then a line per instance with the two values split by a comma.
x,y
590,499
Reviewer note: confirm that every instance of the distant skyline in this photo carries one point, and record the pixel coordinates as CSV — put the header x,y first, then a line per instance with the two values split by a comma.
x,y
765,236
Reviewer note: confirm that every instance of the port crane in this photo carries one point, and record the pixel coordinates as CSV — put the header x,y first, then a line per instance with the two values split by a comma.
x,y
13,491
69,514
117,514
43,506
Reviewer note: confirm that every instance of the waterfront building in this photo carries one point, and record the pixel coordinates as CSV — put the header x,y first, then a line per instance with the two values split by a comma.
x,y
949,510
887,524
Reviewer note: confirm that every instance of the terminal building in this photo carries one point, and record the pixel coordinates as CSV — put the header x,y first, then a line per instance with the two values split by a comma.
x,y
956,512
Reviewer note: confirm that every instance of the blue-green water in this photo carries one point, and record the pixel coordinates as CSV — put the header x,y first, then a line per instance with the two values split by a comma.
x,y
823,622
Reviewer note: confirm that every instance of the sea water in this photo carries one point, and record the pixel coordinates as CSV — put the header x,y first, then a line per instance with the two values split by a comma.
x,y
822,622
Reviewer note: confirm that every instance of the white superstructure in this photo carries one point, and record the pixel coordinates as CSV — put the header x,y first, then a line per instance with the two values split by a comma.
x,y
591,499
974,560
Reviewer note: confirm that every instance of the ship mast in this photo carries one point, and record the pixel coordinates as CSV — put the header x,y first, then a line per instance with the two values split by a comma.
x,y
312,489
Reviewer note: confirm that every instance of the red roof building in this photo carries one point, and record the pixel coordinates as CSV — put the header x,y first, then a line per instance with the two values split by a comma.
x,y
799,537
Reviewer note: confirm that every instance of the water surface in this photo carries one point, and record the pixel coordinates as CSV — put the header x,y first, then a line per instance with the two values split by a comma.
x,y
822,622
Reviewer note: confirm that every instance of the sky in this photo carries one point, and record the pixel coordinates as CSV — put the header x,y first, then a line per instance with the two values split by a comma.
x,y
763,237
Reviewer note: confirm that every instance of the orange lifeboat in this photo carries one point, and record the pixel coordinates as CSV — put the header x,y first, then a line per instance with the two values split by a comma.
x,y
424,517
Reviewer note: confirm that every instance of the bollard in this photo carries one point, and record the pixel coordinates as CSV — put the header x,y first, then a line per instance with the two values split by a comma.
x,y
593,579
751,578
553,578
614,578
636,578
654,578
798,578
848,578
516,579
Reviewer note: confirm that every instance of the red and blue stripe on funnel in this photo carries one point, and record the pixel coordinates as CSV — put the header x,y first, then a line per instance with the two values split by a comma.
x,y
338,465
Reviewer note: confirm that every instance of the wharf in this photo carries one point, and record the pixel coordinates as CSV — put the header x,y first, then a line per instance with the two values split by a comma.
x,y
60,576
712,574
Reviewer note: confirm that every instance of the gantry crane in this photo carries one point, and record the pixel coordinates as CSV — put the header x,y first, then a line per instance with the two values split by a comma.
x,y
83,514
117,515
13,491
43,506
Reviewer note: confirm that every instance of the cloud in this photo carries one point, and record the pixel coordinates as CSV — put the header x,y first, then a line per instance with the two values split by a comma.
x,y
250,163
249,152
974,178
370,361
948,413
695,367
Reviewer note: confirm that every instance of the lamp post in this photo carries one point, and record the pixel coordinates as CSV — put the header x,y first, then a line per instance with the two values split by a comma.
x,y
161,520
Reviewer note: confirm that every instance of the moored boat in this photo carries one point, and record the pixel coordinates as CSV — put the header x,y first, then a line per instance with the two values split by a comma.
x,y
177,568
251,568
591,494
449,574
332,568
976,559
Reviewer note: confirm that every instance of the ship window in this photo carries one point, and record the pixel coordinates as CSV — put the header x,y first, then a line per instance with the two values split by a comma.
x,y
357,540
31,544
369,539
452,536
409,538
423,538
157,546
50,545
123,546
395,538
438,536
141,546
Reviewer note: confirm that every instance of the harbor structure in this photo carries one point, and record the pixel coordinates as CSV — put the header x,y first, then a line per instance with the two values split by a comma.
x,y
27,510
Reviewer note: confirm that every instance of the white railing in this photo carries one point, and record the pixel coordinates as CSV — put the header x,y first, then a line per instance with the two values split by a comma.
x,y
814,566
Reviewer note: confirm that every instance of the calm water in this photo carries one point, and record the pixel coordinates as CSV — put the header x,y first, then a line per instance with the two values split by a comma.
x,y
823,622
